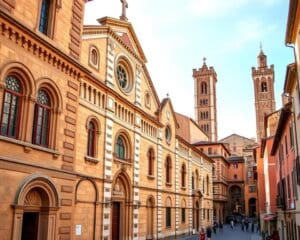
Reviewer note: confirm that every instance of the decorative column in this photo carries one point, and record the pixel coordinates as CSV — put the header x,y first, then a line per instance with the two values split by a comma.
x,y
138,86
136,177
110,63
177,186
190,190
159,184
108,157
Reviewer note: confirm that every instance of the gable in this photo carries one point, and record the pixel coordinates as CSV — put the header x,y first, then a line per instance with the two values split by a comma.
x,y
125,32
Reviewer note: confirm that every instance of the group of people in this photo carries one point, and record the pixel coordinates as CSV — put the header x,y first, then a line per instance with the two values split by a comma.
x,y
247,225
209,231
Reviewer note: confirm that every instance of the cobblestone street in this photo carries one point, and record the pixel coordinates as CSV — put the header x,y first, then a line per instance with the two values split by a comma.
x,y
229,234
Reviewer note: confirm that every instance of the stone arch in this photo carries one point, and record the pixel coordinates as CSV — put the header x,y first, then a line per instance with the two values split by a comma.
x,y
128,143
22,71
121,206
86,199
150,204
54,92
26,78
35,207
236,196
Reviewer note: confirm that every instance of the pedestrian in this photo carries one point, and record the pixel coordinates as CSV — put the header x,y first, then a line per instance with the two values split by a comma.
x,y
221,226
208,233
243,225
215,227
202,234
231,224
247,225
252,227
258,227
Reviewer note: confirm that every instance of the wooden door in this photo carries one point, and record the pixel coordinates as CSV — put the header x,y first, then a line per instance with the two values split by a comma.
x,y
116,221
30,226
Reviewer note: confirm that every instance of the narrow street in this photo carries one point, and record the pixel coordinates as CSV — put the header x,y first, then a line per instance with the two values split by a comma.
x,y
229,234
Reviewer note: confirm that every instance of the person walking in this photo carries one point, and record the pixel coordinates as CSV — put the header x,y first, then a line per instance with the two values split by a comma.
x,y
215,227
208,233
202,234
252,227
221,226
231,224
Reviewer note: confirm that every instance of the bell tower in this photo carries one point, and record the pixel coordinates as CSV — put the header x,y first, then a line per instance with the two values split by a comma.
x,y
205,80
263,80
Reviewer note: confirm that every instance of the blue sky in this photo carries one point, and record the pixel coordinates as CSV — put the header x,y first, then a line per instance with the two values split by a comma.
x,y
176,35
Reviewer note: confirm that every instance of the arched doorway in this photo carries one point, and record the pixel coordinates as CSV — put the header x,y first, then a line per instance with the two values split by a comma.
x,y
36,204
252,207
121,210
197,196
150,217
86,198
236,203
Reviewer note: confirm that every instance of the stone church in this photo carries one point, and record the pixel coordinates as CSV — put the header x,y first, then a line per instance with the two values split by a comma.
x,y
87,149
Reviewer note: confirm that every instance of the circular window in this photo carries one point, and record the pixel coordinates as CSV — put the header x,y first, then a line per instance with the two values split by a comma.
x,y
168,133
122,77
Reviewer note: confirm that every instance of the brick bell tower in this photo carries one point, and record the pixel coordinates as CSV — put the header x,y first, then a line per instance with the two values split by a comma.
x,y
263,80
205,80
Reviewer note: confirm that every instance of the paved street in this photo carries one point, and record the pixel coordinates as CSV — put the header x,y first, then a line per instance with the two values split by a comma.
x,y
229,234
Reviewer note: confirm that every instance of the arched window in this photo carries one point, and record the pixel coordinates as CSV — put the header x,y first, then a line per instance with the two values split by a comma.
x,y
203,88
150,162
94,57
147,99
10,116
44,16
91,144
42,119
183,175
168,170
264,87
120,148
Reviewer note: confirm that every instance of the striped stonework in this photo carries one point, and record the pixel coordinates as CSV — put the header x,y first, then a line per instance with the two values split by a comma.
x,y
136,174
107,176
159,184
110,63
177,185
190,203
138,86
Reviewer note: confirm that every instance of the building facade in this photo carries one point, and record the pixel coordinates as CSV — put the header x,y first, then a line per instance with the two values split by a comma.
x,y
219,154
87,150
205,80
263,81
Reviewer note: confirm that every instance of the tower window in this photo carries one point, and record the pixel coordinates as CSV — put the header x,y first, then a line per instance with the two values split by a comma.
x,y
203,88
264,87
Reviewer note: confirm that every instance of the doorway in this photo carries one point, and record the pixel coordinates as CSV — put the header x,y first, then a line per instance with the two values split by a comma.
x,y
116,221
30,226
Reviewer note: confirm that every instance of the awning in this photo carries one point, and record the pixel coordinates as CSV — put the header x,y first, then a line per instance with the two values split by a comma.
x,y
269,217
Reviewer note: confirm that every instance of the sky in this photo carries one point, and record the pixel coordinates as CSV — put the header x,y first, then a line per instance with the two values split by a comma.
x,y
177,35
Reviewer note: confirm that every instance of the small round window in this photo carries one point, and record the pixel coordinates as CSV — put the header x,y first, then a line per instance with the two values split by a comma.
x,y
122,77
168,133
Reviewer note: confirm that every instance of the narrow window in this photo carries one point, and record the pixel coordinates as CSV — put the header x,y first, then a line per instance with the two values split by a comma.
x,y
120,148
151,162
91,151
203,88
168,217
264,87
168,170
44,16
183,175
11,108
94,57
193,182
42,119
183,215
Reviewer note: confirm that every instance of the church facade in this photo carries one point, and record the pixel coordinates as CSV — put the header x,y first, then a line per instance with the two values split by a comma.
x,y
87,149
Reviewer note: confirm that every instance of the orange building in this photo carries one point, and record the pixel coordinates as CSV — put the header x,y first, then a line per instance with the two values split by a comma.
x,y
219,154
266,175
284,151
